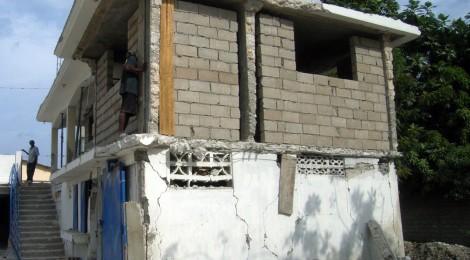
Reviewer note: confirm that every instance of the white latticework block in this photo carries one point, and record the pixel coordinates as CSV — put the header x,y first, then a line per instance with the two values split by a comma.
x,y
321,165
214,169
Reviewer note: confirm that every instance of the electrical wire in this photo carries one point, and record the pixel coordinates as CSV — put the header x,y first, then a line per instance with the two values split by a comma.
x,y
22,88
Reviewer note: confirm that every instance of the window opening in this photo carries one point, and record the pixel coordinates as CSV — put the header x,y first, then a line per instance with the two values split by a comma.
x,y
322,48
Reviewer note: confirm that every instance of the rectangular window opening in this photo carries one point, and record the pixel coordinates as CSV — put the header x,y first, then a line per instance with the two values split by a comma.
x,y
322,50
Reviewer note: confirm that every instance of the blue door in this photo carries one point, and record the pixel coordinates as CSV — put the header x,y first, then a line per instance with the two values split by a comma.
x,y
113,242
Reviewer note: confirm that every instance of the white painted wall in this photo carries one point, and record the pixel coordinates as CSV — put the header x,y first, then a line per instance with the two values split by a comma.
x,y
329,220
66,206
6,162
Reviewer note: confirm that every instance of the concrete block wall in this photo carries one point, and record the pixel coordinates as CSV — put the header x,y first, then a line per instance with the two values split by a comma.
x,y
108,98
308,109
367,60
206,72
108,101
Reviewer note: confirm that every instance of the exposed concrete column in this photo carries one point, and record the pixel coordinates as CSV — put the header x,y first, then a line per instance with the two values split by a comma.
x,y
71,124
153,67
142,52
135,231
54,143
247,67
387,56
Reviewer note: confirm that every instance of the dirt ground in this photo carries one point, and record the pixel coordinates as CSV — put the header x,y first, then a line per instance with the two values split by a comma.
x,y
436,250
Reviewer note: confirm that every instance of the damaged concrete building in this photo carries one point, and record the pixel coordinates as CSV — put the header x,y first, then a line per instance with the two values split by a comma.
x,y
266,130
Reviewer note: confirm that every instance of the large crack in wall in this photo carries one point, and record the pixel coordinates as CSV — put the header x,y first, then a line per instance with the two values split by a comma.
x,y
247,235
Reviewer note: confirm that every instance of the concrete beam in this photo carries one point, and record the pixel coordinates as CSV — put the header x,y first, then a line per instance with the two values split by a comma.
x,y
71,123
287,184
380,241
54,148
135,231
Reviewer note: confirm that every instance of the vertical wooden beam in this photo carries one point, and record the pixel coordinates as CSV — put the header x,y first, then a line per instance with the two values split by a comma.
x,y
54,148
167,110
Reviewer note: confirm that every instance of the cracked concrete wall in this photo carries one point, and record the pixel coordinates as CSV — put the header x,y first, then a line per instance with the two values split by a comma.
x,y
329,220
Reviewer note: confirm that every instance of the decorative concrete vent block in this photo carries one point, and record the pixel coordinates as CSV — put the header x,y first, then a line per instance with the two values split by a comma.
x,y
190,170
320,165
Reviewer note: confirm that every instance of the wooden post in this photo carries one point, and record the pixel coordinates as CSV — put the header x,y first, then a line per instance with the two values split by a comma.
x,y
167,110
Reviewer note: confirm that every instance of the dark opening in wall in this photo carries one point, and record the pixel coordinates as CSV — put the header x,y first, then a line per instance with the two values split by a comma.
x,y
119,57
4,220
324,51
90,121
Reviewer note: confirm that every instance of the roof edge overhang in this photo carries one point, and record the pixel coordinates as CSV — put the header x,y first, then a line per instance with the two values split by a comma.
x,y
71,75
77,22
401,32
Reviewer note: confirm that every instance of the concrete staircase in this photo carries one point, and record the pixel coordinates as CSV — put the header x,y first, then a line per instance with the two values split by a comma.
x,y
39,228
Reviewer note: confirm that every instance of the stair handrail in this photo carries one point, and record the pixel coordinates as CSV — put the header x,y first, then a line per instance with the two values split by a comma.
x,y
14,212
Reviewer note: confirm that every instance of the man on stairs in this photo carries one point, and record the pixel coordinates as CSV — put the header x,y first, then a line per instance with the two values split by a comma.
x,y
32,161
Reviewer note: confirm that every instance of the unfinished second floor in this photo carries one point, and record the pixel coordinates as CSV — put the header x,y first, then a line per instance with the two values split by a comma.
x,y
275,72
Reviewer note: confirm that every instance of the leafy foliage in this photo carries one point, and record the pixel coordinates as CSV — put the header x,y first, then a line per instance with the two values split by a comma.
x,y
383,7
432,84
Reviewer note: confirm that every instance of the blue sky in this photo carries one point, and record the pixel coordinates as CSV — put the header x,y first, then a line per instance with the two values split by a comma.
x,y
28,35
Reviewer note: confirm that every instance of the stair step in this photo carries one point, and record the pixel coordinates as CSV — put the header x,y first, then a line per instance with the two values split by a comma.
x,y
45,196
32,209
45,258
36,191
35,188
39,227
40,233
40,211
28,240
42,246
37,184
46,222
35,202
38,217
37,207
42,253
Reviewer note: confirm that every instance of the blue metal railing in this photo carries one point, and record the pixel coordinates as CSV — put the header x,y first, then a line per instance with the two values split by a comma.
x,y
14,212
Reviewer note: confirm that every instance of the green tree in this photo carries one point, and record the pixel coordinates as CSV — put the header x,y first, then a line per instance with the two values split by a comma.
x,y
432,86
383,7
